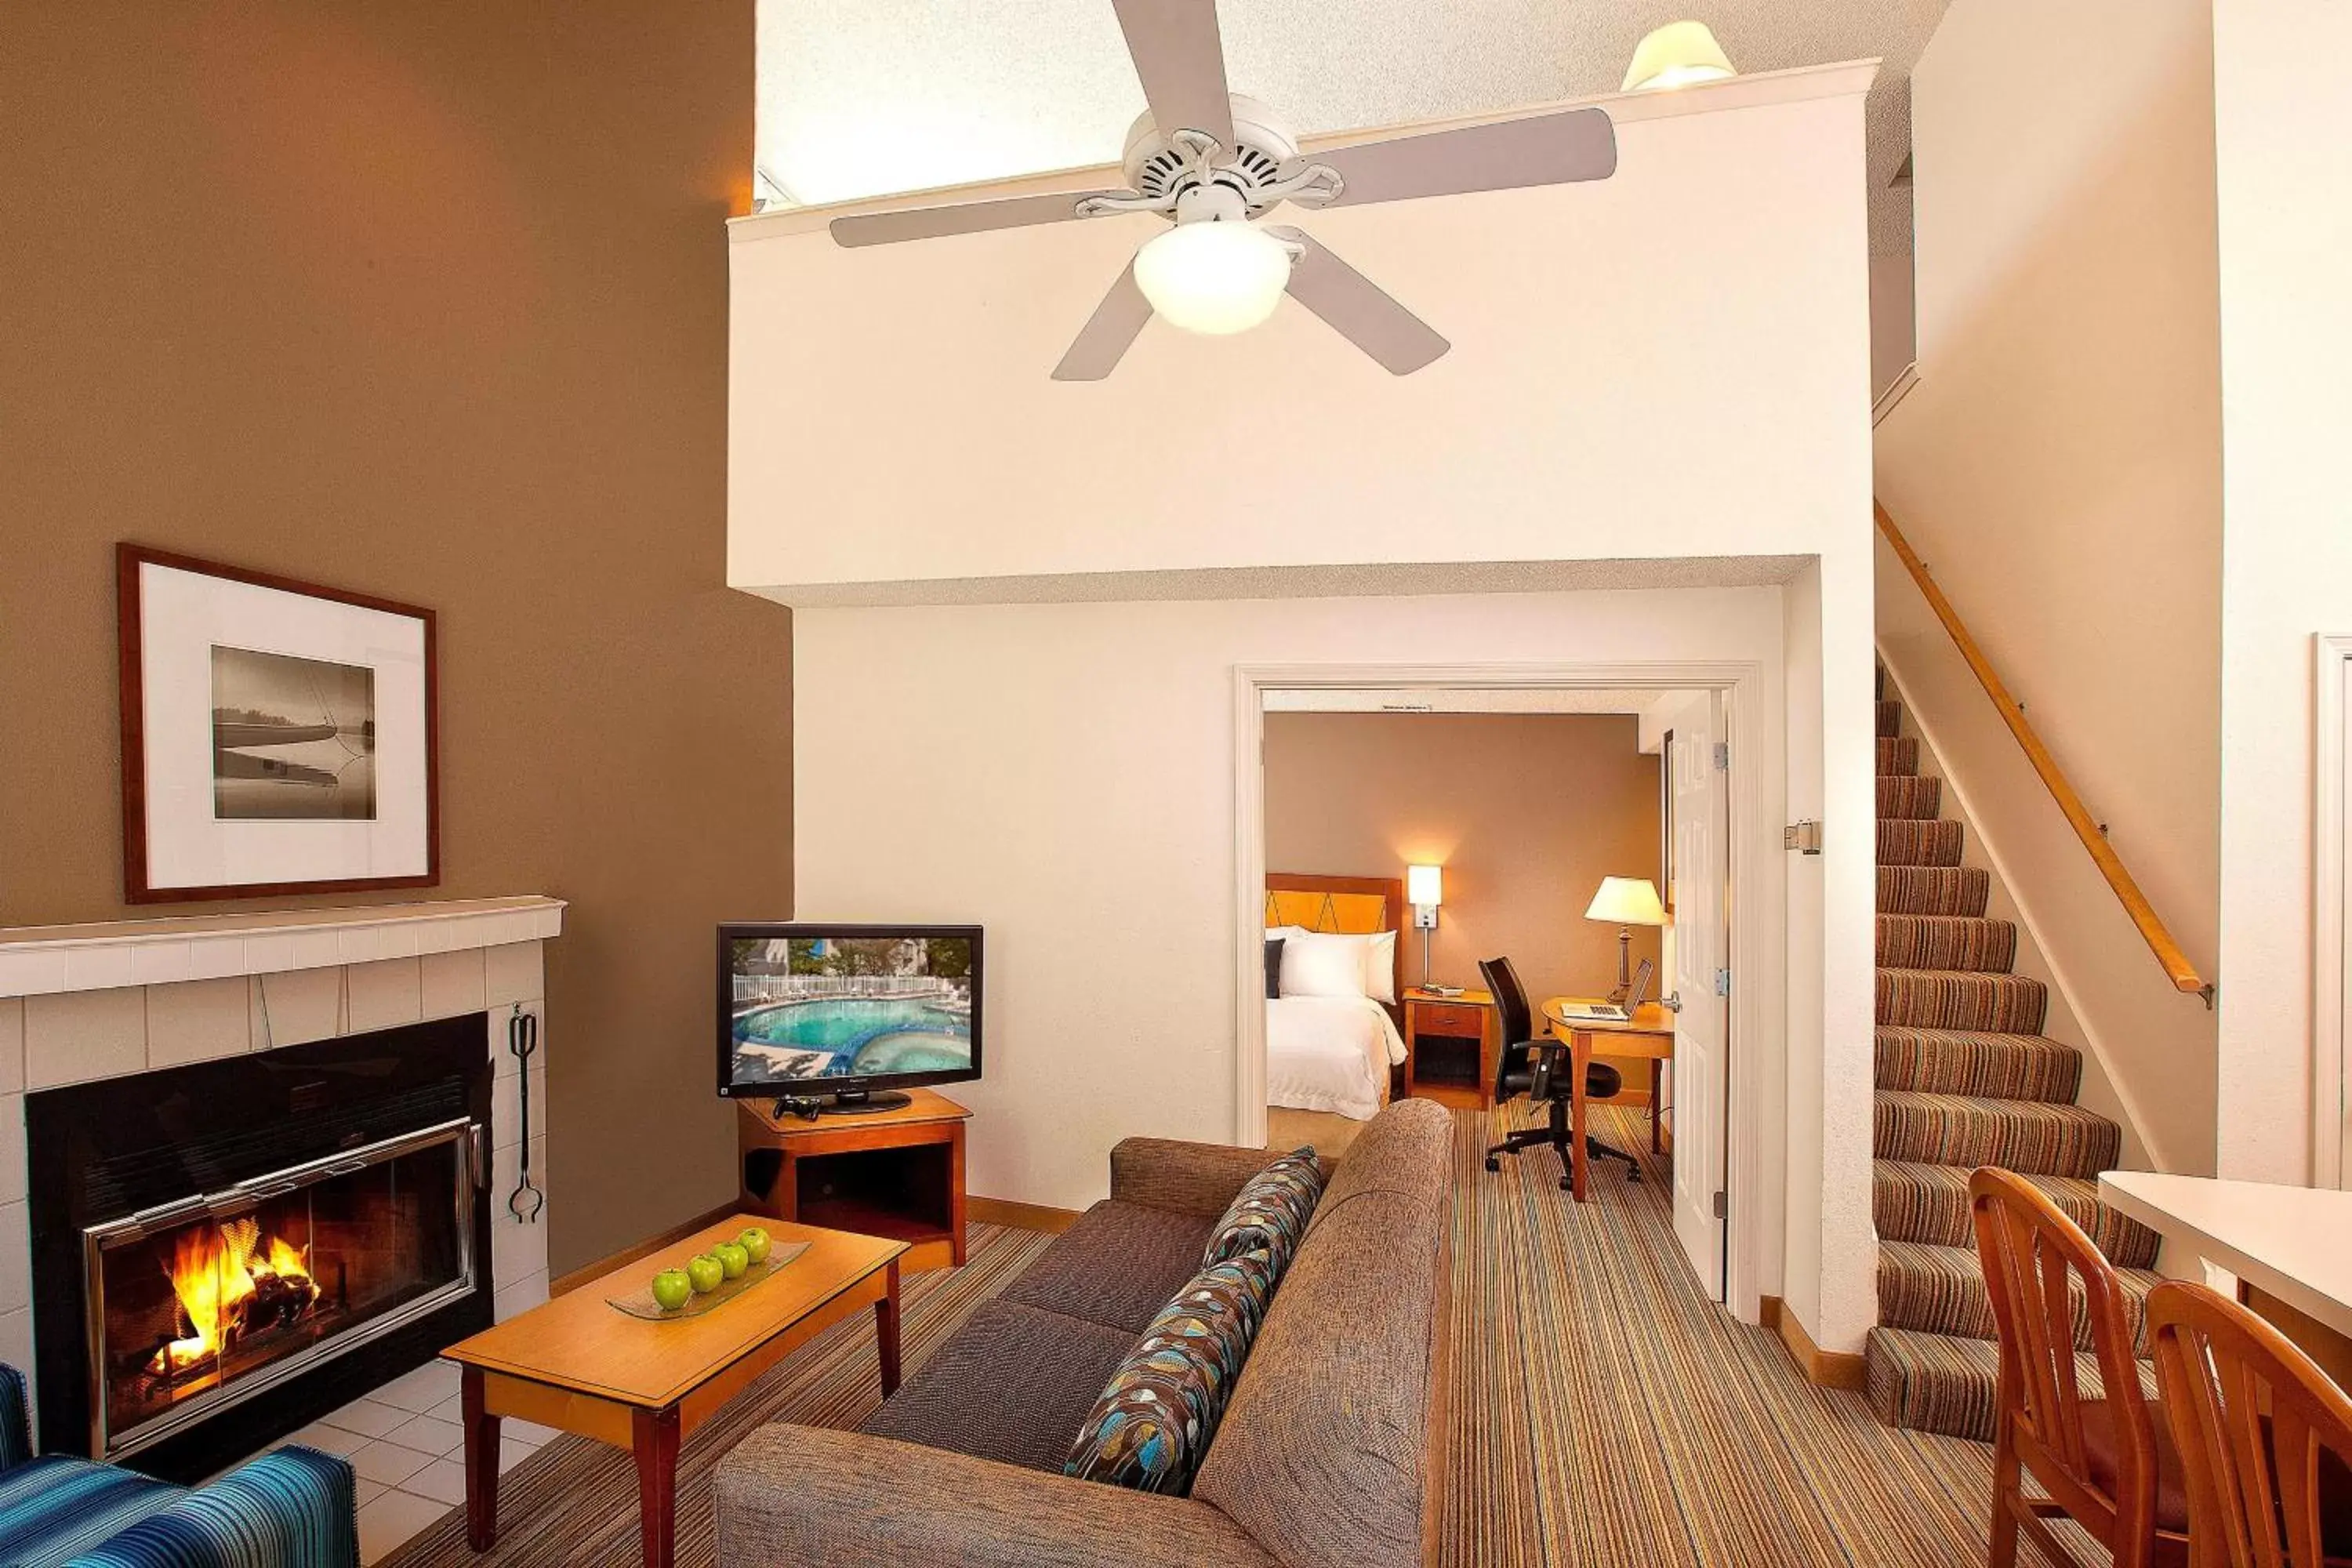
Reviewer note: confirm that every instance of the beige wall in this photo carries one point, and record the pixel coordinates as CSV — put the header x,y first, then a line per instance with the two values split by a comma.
x,y
1613,344
1065,774
425,298
2059,467
1526,812
2284,119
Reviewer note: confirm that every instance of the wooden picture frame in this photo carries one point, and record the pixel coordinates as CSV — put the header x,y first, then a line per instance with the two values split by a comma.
x,y
209,794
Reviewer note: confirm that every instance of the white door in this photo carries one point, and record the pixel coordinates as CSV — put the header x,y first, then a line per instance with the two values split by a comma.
x,y
1701,959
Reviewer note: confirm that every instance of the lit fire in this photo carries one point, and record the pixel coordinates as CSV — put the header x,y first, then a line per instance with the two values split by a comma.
x,y
230,1280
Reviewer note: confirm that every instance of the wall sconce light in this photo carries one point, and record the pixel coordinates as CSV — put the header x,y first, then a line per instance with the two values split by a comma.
x,y
1424,889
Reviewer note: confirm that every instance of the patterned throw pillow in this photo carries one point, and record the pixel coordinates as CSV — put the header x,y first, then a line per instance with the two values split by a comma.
x,y
1270,1211
1153,1423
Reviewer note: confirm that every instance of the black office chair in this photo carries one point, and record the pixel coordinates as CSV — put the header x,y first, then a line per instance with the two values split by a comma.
x,y
1537,1066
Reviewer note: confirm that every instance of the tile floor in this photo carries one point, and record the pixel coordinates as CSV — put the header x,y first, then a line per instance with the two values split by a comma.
x,y
407,1444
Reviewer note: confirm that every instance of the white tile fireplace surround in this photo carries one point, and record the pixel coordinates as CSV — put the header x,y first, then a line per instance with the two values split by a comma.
x,y
84,1003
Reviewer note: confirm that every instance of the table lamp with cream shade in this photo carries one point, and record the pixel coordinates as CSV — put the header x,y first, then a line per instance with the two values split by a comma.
x,y
1626,902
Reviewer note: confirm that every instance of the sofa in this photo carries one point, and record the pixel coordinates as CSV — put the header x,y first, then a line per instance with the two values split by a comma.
x,y
292,1508
1329,1451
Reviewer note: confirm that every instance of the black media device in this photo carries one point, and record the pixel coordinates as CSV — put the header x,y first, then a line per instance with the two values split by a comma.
x,y
831,1019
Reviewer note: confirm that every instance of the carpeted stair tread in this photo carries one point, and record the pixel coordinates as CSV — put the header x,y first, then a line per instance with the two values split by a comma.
x,y
1977,1062
1946,942
1942,1382
1904,841
1890,718
1957,999
1898,754
1929,1204
1909,797
2028,1136
1941,1290
1934,890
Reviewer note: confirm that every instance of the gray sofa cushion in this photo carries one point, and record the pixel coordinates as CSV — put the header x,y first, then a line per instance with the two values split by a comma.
x,y
1118,1266
1013,1384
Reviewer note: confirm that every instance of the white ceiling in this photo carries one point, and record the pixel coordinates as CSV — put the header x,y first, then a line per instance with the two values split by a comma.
x,y
864,98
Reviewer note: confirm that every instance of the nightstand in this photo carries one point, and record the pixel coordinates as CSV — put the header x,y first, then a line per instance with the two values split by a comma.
x,y
1471,1017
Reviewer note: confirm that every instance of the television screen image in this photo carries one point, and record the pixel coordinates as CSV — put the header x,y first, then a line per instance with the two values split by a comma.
x,y
814,1010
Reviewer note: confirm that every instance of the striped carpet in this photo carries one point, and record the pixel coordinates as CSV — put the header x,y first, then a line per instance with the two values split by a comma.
x,y
1965,1078
1605,1413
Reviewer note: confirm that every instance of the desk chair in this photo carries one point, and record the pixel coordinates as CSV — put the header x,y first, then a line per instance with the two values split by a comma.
x,y
1538,1068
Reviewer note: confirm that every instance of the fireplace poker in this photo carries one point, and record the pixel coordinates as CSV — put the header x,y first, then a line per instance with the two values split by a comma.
x,y
522,1039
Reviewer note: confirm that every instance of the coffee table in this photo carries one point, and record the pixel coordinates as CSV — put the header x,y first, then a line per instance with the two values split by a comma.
x,y
582,1365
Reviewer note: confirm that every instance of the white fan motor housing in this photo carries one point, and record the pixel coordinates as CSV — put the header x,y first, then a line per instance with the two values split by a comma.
x,y
1156,168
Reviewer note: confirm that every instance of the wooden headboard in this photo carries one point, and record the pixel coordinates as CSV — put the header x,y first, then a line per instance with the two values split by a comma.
x,y
1350,906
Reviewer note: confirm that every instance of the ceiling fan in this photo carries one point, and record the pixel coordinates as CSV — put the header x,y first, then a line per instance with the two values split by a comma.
x,y
1213,162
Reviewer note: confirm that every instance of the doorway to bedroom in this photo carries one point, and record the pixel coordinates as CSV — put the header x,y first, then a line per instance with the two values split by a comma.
x,y
1494,898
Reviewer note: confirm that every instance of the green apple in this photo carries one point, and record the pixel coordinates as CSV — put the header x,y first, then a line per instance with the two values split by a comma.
x,y
755,1242
704,1272
732,1257
671,1288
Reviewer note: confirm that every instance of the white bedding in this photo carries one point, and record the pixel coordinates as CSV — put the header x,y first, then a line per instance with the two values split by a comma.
x,y
1330,1053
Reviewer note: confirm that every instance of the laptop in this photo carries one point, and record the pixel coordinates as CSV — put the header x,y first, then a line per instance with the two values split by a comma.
x,y
1609,1011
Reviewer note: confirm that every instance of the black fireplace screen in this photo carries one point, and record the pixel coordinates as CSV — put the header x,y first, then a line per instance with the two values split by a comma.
x,y
205,1301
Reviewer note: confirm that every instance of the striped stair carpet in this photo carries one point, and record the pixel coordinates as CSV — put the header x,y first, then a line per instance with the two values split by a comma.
x,y
1965,1078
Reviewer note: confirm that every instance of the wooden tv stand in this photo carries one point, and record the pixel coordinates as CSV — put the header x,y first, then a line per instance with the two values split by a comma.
x,y
895,1173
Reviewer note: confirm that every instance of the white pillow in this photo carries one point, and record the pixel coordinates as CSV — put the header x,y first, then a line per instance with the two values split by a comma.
x,y
1317,964
1380,967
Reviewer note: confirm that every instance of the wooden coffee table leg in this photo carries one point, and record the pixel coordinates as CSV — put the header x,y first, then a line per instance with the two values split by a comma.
x,y
481,1463
655,1434
886,1330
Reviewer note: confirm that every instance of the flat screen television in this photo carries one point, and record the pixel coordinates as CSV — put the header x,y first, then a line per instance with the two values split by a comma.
x,y
841,1018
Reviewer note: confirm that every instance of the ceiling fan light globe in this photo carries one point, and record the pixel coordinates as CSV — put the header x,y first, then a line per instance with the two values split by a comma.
x,y
1680,54
1216,277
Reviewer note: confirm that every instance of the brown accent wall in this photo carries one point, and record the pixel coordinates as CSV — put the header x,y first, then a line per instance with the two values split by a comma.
x,y
1526,812
428,298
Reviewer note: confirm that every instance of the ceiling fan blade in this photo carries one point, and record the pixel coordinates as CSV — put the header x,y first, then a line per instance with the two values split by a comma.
x,y
1103,339
1181,59
1548,149
1359,310
961,217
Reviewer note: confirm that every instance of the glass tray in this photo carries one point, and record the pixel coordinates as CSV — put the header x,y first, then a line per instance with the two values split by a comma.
x,y
640,1303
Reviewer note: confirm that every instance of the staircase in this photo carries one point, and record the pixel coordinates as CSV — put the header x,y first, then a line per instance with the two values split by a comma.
x,y
1964,1077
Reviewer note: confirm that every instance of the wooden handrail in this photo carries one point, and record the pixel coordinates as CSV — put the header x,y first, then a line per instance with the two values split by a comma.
x,y
2177,967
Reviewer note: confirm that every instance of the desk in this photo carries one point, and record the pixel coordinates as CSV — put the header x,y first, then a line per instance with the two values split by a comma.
x,y
1649,1032
2290,1242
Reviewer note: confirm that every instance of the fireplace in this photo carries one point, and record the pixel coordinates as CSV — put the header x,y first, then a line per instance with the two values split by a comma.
x,y
235,1247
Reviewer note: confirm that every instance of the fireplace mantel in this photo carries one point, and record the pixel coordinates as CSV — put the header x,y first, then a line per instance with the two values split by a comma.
x,y
41,961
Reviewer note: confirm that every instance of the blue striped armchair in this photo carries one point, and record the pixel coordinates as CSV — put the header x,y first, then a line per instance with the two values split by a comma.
x,y
293,1508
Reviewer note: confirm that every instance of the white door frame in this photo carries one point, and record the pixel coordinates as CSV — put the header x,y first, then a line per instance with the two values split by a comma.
x,y
2331,678
1758,1012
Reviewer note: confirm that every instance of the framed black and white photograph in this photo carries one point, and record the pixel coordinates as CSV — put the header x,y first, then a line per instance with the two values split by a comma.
x,y
277,736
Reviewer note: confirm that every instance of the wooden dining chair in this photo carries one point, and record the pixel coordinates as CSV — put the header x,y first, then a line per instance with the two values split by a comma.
x,y
2100,1460
2265,1439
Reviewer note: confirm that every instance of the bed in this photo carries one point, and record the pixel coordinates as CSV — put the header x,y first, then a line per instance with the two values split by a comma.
x,y
1328,1051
